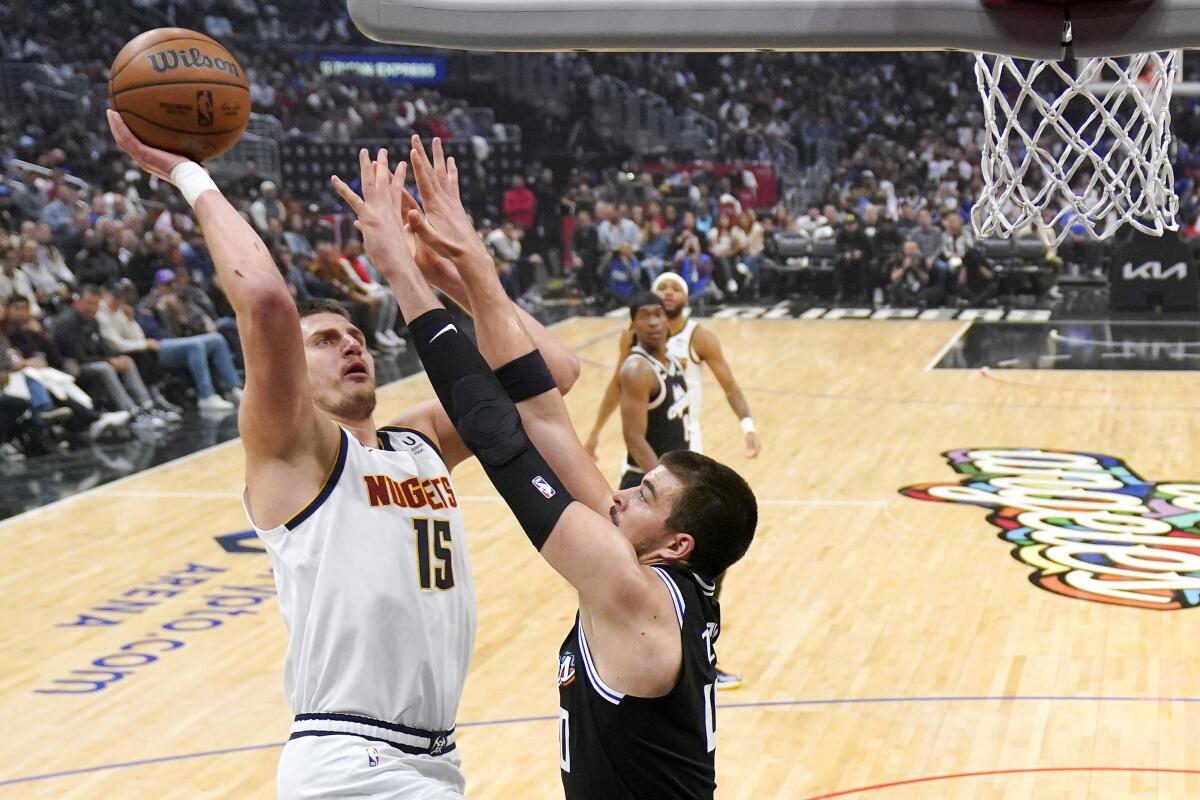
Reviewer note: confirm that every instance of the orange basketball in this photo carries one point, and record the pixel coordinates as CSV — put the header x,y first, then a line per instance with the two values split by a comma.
x,y
181,91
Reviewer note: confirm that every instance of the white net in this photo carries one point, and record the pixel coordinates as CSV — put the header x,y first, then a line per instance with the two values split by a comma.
x,y
1079,150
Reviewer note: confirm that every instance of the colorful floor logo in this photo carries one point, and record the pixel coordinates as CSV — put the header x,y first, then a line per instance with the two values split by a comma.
x,y
1087,523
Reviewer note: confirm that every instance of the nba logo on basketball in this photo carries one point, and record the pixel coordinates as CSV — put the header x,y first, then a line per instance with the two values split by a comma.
x,y
204,108
546,489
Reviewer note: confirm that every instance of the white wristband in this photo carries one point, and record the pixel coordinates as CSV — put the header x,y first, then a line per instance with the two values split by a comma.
x,y
192,180
747,425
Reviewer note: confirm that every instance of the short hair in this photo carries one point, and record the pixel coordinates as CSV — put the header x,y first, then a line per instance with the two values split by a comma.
x,y
641,299
308,308
87,289
716,508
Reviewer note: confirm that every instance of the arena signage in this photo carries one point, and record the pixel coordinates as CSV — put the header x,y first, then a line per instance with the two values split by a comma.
x,y
1090,527
389,69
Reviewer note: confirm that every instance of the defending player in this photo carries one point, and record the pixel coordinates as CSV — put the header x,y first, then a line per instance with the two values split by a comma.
x,y
361,524
654,396
636,671
693,345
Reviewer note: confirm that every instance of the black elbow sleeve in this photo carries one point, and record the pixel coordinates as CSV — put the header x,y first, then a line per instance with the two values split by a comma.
x,y
488,422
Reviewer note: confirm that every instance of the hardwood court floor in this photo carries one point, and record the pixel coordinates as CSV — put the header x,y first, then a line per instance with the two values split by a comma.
x,y
884,639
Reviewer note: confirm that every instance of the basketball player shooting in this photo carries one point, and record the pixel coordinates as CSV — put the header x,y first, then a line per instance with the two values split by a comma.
x,y
636,670
362,525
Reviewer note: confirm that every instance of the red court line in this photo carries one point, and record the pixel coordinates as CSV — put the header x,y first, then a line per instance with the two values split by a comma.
x,y
933,778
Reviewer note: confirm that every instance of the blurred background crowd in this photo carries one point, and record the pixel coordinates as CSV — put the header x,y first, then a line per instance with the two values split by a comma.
x,y
760,178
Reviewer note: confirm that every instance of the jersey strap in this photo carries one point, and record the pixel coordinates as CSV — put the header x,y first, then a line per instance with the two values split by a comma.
x,y
331,480
676,595
602,689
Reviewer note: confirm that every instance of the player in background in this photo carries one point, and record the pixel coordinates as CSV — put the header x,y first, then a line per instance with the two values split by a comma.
x,y
654,395
638,718
693,345
361,523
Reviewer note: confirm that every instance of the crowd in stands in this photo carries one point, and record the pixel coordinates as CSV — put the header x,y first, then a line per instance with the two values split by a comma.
x,y
111,317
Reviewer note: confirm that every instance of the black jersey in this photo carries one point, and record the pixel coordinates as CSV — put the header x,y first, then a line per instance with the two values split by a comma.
x,y
619,747
668,420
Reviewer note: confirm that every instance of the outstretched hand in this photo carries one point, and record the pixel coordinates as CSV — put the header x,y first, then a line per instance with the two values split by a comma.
x,y
444,226
438,270
376,211
155,161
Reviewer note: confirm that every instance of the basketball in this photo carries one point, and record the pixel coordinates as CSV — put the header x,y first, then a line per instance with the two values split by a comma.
x,y
181,91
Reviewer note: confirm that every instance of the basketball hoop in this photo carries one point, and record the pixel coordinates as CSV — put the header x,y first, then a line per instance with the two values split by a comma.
x,y
1091,144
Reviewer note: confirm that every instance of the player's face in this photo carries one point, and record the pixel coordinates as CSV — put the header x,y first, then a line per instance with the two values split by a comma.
x,y
641,513
341,372
674,298
650,325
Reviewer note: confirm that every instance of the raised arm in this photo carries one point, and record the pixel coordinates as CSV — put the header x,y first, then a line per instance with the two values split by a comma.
x,y
278,421
583,546
708,347
612,394
445,227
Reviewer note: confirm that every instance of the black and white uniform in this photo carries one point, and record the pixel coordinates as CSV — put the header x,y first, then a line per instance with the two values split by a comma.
x,y
680,345
375,588
614,746
668,423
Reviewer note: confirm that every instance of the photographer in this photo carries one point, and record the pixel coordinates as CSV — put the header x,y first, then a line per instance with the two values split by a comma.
x,y
908,276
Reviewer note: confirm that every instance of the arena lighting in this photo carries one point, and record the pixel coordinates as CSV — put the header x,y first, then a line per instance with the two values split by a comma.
x,y
1012,27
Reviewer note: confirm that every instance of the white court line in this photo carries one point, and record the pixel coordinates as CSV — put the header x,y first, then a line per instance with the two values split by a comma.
x,y
491,498
946,347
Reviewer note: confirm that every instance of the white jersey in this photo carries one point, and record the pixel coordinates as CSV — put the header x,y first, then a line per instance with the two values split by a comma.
x,y
681,347
375,587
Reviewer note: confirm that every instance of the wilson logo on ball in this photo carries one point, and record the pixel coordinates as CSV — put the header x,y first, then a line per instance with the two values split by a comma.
x,y
168,60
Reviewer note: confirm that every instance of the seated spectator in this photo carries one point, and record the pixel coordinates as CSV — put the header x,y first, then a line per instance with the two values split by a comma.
x,y
504,243
267,207
977,283
908,277
928,238
327,278
585,252
296,240
656,250
113,377
724,248
122,335
361,273
520,204
696,267
811,221
749,236
14,282
52,281
52,396
853,269
202,355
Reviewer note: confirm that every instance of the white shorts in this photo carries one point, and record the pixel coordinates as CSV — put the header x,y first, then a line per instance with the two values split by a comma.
x,y
314,767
